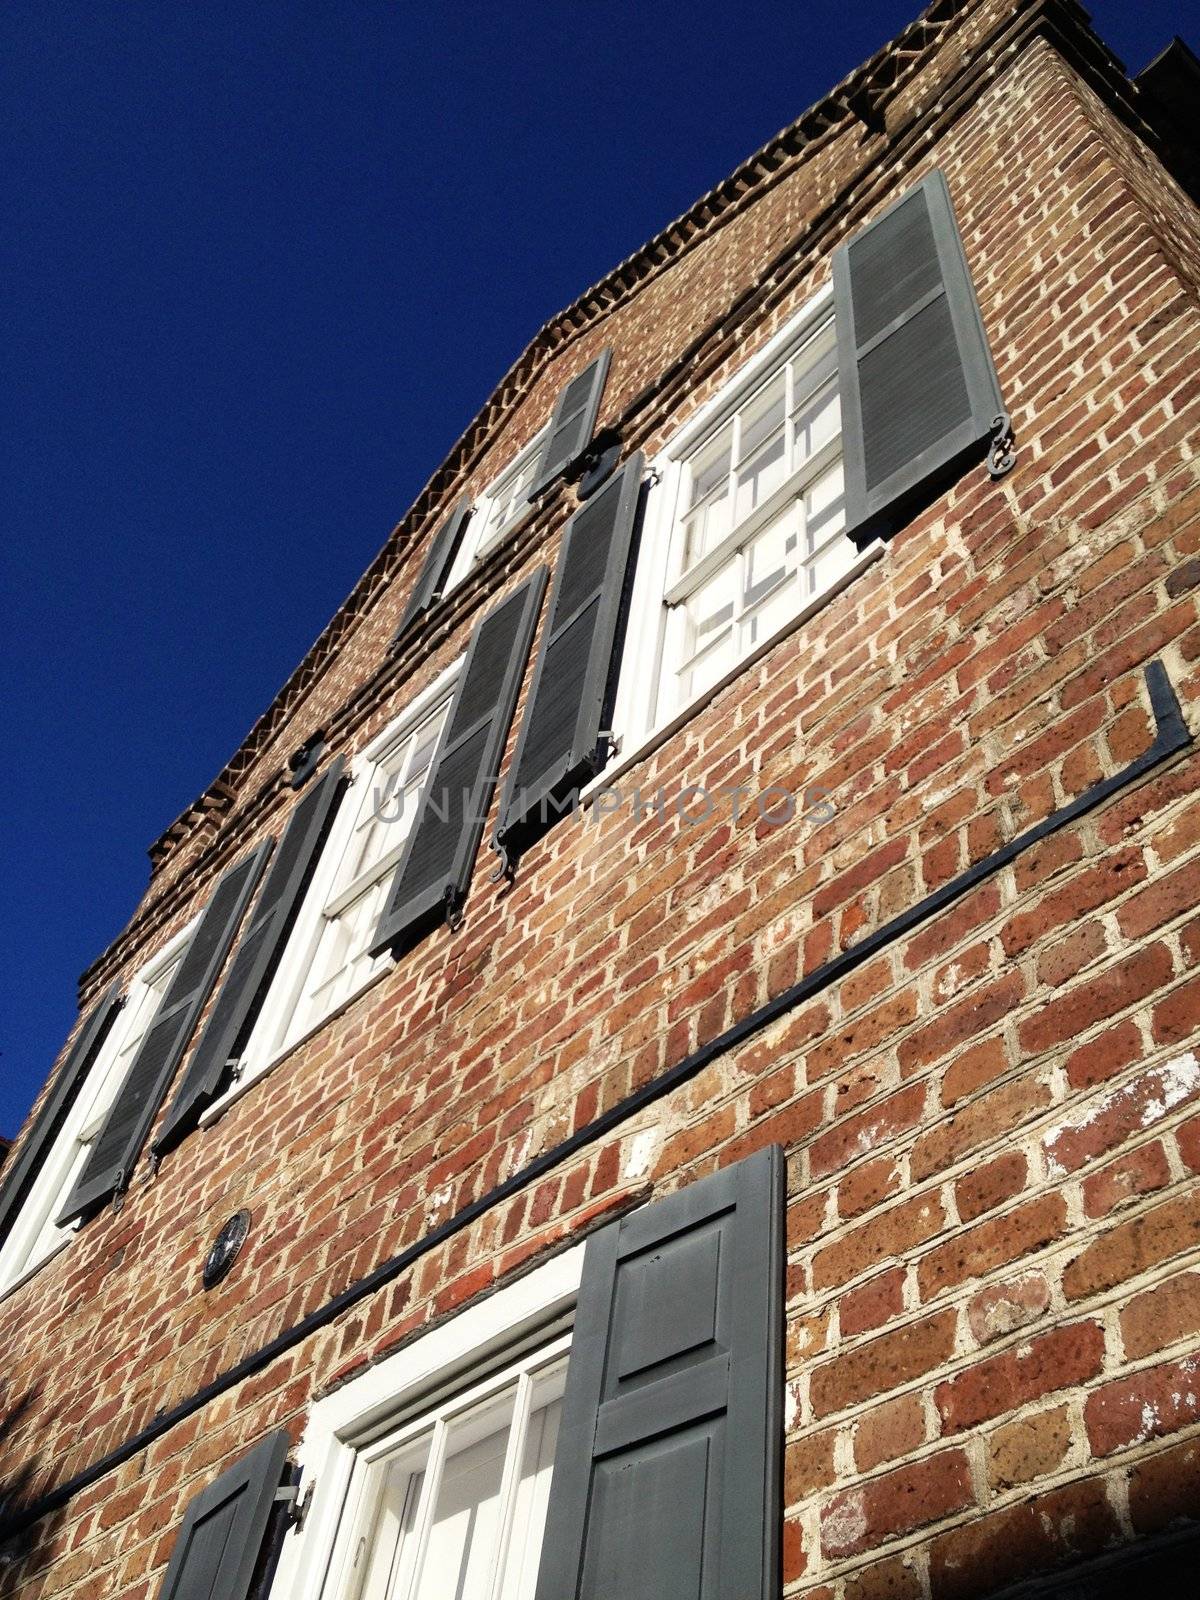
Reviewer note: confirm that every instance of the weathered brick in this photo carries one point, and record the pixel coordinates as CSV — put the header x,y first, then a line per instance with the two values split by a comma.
x,y
895,1503
887,1431
1109,1119
1047,1531
1098,998
1147,1405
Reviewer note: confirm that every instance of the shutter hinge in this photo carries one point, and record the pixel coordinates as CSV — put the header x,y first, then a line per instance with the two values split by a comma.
x,y
153,1162
118,1199
506,872
608,744
454,912
297,1504
1002,452
234,1068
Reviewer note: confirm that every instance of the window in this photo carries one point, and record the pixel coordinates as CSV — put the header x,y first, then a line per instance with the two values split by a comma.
x,y
327,959
433,1469
460,1494
499,510
36,1235
746,530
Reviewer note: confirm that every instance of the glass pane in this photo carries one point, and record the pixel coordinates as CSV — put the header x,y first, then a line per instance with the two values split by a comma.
x,y
711,465
460,1553
818,421
529,1512
762,417
711,607
770,556
390,1552
761,476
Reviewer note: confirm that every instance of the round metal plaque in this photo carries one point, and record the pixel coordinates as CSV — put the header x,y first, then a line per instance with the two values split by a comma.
x,y
227,1246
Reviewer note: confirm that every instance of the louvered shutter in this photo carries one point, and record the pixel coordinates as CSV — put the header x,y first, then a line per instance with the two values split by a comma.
x,y
575,413
919,392
667,1473
435,868
559,744
221,1546
433,574
22,1168
118,1144
256,958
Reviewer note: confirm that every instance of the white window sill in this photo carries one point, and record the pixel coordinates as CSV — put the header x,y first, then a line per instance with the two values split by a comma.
x,y
649,742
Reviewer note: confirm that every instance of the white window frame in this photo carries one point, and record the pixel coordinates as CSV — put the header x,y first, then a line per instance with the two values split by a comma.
x,y
351,1427
270,1039
83,1123
638,730
480,540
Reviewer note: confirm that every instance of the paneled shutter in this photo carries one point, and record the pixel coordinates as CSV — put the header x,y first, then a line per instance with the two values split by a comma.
x,y
433,574
221,1542
434,871
21,1169
256,958
558,746
118,1144
575,413
667,1474
919,392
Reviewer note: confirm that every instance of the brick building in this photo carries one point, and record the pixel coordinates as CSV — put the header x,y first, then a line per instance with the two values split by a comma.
x,y
665,1065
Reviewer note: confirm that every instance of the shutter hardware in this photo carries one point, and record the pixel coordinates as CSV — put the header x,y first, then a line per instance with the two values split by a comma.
x,y
297,1504
454,911
1002,452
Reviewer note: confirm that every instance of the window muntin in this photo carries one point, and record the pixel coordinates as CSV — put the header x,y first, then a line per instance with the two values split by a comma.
x,y
758,521
36,1235
454,1503
500,508
335,960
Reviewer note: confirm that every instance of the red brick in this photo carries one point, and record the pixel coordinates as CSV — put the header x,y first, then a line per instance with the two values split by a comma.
x,y
1109,1119
1124,1180
1002,1308
1176,1020
882,1364
992,1244
1097,998
953,1026
1161,1316
895,1428
885,1235
1104,1056
1002,1547
808,1465
1133,1247
1028,1448
1165,1488
907,1498
1163,900
1002,1111
1083,892
990,1186
1059,1359
1147,1405
858,1135
872,1304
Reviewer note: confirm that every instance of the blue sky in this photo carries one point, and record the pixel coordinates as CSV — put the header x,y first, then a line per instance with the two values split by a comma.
x,y
261,265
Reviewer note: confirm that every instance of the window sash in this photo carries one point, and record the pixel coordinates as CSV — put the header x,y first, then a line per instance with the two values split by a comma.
x,y
386,1537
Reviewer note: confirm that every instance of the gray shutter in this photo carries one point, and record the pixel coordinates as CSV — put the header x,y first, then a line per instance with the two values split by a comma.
x,y
667,1473
574,418
221,1542
21,1169
110,1165
255,960
559,744
434,871
919,392
433,574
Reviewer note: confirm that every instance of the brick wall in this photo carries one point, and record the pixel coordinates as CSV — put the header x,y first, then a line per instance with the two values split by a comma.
x,y
992,1128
